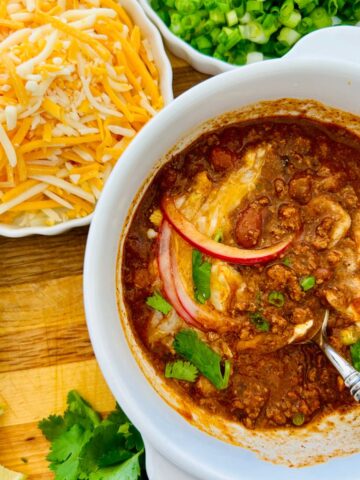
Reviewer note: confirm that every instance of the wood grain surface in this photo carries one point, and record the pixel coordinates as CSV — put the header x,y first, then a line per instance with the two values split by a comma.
x,y
45,349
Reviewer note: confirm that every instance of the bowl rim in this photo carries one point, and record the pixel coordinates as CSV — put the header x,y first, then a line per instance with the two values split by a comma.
x,y
93,305
166,75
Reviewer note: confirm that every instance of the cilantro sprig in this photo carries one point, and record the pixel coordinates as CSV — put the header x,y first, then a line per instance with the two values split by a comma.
x,y
188,344
201,271
181,371
84,447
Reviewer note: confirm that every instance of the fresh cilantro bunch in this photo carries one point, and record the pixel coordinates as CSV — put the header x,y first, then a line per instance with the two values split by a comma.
x,y
85,447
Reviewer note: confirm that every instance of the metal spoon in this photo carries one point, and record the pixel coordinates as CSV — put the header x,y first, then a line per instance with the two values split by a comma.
x,y
350,376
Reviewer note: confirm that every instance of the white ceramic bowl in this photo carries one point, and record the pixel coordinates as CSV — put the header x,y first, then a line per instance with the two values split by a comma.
x,y
150,32
324,66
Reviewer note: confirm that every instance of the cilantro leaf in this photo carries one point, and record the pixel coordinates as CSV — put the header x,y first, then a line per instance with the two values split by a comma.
x,y
64,453
355,354
114,456
52,427
201,271
79,412
157,302
104,438
188,344
86,447
118,416
181,371
129,470
134,440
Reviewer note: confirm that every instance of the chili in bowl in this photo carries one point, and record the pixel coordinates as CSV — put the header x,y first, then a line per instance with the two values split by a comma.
x,y
219,260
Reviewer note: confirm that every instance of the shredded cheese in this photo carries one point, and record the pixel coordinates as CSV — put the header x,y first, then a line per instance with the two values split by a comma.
x,y
77,82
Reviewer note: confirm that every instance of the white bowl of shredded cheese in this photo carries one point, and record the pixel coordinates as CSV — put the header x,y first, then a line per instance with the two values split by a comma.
x,y
76,85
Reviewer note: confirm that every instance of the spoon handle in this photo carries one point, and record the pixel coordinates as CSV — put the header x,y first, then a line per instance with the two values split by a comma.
x,y
350,376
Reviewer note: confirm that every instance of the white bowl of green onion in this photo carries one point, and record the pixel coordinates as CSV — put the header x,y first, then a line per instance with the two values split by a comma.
x,y
215,36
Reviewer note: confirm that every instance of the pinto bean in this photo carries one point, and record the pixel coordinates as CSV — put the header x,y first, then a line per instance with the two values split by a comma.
x,y
300,188
222,158
249,226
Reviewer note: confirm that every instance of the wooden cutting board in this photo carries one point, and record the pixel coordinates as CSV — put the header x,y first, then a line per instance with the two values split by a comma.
x,y
45,349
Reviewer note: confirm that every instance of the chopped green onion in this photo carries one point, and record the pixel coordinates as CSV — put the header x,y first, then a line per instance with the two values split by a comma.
x,y
169,3
231,18
287,262
281,48
309,8
208,27
303,3
320,18
255,6
286,9
307,283
201,271
157,302
305,26
190,22
209,4
298,419
228,38
175,24
276,298
246,18
186,7
255,32
355,355
292,20
288,36
332,7
215,34
223,6
269,28
203,42
155,4
217,16
260,322
218,237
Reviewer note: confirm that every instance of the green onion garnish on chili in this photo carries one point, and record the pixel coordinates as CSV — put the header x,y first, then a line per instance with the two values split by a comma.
x,y
259,321
287,262
157,302
307,283
355,355
298,419
201,271
276,298
218,237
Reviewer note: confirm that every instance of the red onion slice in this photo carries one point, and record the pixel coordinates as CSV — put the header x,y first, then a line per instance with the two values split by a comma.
x,y
215,249
166,274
